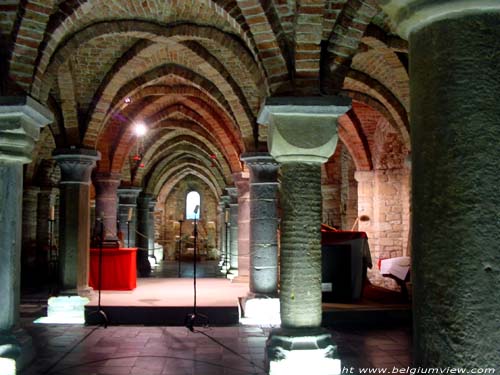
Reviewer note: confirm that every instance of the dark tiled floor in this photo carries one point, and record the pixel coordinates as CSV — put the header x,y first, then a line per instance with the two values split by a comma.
x,y
80,350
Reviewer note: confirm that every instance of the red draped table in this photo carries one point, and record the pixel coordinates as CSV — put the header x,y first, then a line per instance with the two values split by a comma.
x,y
118,269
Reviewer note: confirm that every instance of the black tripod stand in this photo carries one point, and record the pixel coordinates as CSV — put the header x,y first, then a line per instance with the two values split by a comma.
x,y
99,310
191,319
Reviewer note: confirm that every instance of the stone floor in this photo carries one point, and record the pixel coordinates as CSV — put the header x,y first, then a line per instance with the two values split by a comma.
x,y
81,350
235,350
172,268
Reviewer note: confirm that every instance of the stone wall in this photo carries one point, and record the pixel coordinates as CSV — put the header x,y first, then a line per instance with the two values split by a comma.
x,y
384,197
339,190
174,209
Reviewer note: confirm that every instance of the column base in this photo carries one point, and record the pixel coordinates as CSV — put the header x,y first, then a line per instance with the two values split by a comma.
x,y
260,310
68,309
16,351
301,351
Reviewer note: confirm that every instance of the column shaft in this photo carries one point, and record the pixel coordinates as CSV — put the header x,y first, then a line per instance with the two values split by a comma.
x,y
11,194
106,202
263,223
29,229
233,236
456,196
300,296
74,216
127,204
242,185
142,239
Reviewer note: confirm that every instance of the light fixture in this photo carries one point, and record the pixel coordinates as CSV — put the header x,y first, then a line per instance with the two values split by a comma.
x,y
140,129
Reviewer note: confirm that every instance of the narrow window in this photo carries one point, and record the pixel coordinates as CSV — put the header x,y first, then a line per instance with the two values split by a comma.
x,y
192,200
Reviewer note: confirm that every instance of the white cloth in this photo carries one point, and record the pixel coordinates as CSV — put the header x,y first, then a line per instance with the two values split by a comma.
x,y
397,267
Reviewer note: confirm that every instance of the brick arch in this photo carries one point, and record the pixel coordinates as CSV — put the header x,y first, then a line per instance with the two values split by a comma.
x,y
152,32
177,145
344,40
352,140
267,31
241,111
176,155
167,187
206,86
129,140
383,65
197,112
206,118
80,14
162,90
178,130
168,171
365,89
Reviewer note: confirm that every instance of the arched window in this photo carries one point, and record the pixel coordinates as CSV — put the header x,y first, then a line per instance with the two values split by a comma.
x,y
192,200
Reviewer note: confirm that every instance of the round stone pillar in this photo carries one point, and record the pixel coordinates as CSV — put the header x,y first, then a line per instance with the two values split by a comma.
x,y
20,121
29,227
455,116
127,213
223,204
106,203
233,228
74,216
302,135
263,223
242,185
142,234
151,227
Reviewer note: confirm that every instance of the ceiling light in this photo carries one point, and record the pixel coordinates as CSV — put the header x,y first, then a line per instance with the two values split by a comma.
x,y
140,129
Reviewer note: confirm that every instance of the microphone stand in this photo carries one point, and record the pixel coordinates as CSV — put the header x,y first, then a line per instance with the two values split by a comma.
x,y
99,310
191,318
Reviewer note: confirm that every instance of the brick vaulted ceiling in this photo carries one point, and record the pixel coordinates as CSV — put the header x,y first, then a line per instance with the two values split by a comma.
x,y
196,72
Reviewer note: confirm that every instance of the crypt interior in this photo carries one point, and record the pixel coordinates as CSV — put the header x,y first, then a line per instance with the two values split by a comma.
x,y
312,155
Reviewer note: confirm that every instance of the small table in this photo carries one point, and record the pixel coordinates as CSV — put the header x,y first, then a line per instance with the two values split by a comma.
x,y
397,269
360,257
118,269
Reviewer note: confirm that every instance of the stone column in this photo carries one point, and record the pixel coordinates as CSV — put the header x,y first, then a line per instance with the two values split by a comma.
x,y
233,229
455,116
263,223
106,203
142,236
29,227
20,121
151,227
127,203
74,216
223,241
243,268
46,199
302,136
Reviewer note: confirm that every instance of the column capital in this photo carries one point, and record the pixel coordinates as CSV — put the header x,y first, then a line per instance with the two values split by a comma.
x,y
363,176
21,119
302,129
233,194
224,200
76,164
241,181
410,15
144,198
106,183
127,195
263,168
